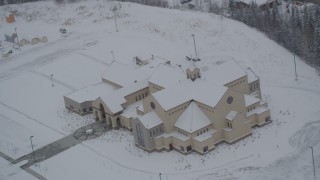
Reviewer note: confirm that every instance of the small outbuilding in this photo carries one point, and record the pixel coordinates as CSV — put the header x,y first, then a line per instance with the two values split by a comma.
x,y
10,17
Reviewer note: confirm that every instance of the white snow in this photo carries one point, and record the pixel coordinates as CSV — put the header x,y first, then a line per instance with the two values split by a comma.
x,y
114,100
192,119
252,76
30,106
231,115
249,100
123,75
224,73
91,92
199,90
204,136
166,75
150,120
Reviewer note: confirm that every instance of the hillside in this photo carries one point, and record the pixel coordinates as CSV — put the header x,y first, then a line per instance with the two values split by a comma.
x,y
29,105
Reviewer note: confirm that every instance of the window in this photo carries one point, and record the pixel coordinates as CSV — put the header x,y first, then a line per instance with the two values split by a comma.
x,y
189,148
229,124
181,148
230,100
136,98
197,133
207,129
267,119
157,131
142,96
84,110
153,132
90,108
205,149
150,134
146,93
153,106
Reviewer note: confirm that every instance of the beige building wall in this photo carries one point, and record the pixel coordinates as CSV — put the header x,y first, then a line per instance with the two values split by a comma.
x,y
240,128
199,145
223,108
136,96
240,85
154,88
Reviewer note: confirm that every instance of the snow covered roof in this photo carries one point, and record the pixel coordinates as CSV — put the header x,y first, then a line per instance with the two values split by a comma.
x,y
231,115
131,111
7,14
176,135
258,110
199,90
205,135
252,76
224,73
123,75
115,99
90,93
165,75
192,119
249,100
150,120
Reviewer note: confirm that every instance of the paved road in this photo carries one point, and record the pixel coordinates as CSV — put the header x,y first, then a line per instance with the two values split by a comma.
x,y
61,145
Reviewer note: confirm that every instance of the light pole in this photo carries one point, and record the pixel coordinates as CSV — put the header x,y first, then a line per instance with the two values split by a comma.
x,y
51,80
34,156
160,176
314,170
114,15
15,29
194,43
112,55
295,65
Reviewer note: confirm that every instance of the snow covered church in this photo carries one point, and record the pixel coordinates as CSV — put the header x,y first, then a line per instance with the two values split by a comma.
x,y
170,107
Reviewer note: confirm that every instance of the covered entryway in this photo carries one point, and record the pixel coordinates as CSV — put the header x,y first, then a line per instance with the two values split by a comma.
x,y
118,122
102,114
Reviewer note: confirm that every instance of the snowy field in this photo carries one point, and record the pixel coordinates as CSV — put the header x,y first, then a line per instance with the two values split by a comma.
x,y
30,106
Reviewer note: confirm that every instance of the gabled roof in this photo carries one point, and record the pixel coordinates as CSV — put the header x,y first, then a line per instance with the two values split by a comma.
x,y
199,90
192,119
123,75
224,73
252,76
115,99
165,75
90,93
150,120
249,100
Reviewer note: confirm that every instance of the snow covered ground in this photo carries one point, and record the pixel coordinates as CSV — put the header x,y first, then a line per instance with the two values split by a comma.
x,y
30,106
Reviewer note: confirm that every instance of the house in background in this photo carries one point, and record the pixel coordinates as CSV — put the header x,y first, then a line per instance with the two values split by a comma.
x,y
172,107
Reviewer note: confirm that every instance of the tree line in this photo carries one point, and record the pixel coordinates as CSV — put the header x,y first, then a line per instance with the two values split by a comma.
x,y
297,28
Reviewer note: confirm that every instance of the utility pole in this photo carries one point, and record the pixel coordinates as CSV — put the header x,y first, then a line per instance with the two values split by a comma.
x,y
34,156
194,43
160,176
51,80
314,170
115,19
15,29
295,65
112,56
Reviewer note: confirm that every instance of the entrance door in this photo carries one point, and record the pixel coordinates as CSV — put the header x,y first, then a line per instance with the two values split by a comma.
x,y
170,147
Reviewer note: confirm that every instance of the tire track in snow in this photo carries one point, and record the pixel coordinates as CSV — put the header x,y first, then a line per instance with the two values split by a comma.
x,y
40,60
31,118
95,59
